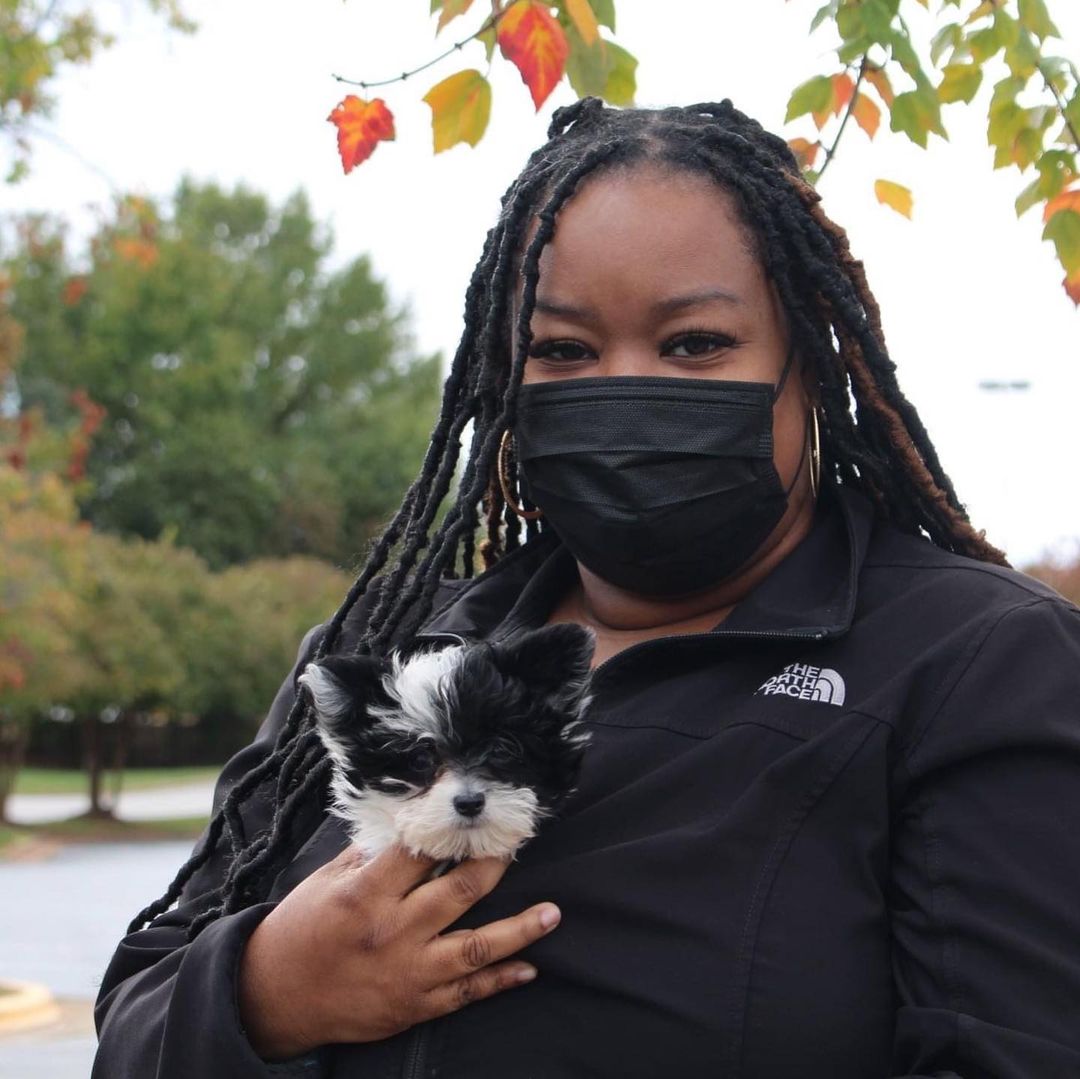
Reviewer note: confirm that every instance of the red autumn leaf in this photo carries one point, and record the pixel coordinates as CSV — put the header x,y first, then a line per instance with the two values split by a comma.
x,y
532,40
361,126
74,290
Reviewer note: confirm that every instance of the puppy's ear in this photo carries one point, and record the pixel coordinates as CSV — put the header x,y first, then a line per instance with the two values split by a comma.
x,y
554,659
341,687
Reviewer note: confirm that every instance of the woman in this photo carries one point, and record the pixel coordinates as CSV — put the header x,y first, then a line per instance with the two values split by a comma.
x,y
825,822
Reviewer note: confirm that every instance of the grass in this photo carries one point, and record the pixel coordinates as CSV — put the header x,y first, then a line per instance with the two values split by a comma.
x,y
73,781
16,838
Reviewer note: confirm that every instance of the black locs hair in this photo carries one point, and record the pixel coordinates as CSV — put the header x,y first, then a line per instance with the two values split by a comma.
x,y
872,437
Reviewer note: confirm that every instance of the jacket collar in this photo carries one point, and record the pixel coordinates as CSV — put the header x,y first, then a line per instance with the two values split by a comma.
x,y
811,594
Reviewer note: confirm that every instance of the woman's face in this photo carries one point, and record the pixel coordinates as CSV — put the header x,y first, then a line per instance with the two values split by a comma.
x,y
651,273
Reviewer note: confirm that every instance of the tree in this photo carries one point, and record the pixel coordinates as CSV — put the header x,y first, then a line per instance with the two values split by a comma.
x,y
882,69
40,40
258,403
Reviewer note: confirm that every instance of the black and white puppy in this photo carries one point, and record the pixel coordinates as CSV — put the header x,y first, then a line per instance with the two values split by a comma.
x,y
458,753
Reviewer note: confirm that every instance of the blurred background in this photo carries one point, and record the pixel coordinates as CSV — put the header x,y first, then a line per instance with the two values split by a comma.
x,y
220,358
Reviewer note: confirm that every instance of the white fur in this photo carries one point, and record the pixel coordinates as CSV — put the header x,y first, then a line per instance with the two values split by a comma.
x,y
331,698
415,686
429,823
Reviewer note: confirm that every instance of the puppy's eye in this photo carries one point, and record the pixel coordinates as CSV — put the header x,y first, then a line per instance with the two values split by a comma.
x,y
421,759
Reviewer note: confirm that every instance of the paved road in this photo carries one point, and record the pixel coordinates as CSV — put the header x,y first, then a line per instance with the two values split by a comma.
x,y
189,800
60,920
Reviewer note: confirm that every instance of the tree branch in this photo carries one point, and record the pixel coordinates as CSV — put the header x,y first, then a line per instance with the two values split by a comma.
x,y
831,151
496,14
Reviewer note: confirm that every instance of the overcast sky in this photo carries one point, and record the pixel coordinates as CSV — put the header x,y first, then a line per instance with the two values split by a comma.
x,y
968,292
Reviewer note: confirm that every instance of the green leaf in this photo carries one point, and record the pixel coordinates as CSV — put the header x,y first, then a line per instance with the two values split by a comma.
x,y
814,95
587,66
1035,17
877,17
826,11
849,22
948,37
460,109
1023,57
621,85
986,43
488,38
960,82
604,10
916,113
904,54
1029,197
1064,230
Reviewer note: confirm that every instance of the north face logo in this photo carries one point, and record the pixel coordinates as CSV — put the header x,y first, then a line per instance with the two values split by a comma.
x,y
806,683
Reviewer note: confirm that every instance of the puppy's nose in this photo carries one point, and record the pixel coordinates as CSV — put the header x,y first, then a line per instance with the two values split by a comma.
x,y
470,804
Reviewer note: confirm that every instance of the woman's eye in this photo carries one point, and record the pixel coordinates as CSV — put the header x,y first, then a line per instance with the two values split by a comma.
x,y
691,345
567,351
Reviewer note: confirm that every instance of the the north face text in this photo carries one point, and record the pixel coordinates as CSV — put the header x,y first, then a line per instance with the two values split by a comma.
x,y
807,683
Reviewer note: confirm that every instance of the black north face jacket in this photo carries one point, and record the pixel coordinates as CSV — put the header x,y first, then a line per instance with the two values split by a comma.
x,y
838,837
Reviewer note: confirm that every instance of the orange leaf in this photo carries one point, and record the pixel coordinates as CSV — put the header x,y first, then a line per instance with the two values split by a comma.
x,y
867,114
584,20
842,89
1072,288
805,152
133,249
361,125
535,43
1067,200
877,78
74,290
895,196
451,10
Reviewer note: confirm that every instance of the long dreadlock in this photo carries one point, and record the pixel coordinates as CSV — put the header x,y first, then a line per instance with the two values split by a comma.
x,y
872,437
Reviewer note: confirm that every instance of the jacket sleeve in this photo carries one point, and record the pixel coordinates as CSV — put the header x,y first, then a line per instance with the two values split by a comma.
x,y
985,888
166,1008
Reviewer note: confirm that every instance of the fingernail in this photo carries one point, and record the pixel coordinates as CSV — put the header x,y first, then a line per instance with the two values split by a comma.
x,y
549,917
524,974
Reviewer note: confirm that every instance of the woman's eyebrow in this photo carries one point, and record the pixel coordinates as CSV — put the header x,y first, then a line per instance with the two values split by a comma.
x,y
666,306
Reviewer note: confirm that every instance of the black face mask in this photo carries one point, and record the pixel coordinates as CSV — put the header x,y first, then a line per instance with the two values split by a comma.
x,y
662,486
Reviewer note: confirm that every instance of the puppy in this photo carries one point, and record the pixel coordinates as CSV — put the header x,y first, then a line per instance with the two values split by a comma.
x,y
458,753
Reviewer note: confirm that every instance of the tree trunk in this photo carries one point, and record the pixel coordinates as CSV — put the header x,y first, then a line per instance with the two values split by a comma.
x,y
94,764
13,740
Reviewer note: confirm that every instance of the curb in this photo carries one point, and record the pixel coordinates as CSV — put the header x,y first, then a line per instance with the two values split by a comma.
x,y
24,1005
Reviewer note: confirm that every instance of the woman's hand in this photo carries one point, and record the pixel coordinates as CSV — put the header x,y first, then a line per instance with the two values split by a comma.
x,y
354,952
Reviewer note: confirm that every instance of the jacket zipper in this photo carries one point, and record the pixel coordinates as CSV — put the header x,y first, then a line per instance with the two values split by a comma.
x,y
416,1054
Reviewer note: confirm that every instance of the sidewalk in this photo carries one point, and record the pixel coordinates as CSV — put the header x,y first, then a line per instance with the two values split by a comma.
x,y
189,800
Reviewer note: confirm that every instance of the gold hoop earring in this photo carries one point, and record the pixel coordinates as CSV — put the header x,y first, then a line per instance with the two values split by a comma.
x,y
504,482
815,453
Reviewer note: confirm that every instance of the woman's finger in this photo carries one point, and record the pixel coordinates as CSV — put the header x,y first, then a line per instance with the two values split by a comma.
x,y
482,983
395,872
458,954
440,902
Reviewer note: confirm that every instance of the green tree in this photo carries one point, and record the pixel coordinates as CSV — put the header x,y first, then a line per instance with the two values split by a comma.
x,y
259,403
